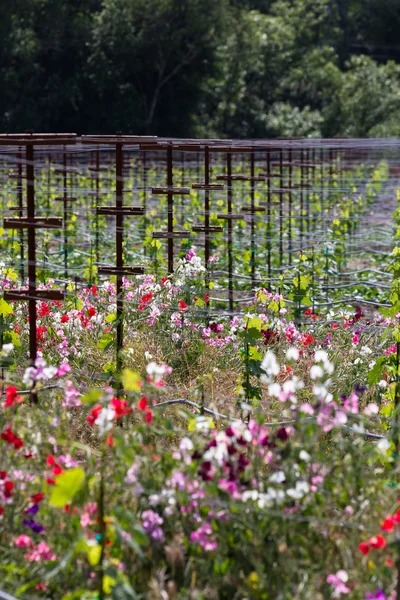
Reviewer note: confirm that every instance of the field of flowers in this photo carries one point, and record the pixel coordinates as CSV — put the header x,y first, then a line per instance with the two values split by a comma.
x,y
252,455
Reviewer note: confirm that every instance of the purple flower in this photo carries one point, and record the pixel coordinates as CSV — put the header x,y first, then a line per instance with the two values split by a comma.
x,y
36,527
378,595
32,510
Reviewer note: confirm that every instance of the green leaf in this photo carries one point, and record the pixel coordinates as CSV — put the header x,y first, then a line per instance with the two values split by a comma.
x,y
375,373
91,397
93,553
131,381
67,486
5,308
105,341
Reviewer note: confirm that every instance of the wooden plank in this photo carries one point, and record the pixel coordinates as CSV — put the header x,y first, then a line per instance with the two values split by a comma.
x,y
111,270
210,229
178,191
171,235
124,210
33,223
18,295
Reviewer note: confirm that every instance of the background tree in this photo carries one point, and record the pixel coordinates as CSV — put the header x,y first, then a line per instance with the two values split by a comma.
x,y
200,67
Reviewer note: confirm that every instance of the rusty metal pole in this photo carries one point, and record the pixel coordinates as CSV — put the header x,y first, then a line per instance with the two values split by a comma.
x,y
182,220
322,188
269,248
252,223
65,205
290,204
30,196
119,238
281,207
170,210
207,208
21,214
301,197
97,233
230,257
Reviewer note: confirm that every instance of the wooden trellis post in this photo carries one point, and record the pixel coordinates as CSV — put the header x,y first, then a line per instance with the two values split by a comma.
x,y
207,229
229,215
32,223
119,211
170,191
66,200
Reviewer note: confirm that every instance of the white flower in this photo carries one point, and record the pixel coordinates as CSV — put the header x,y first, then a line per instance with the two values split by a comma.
x,y
320,356
304,456
278,477
270,364
104,420
316,372
186,444
371,409
292,353
250,495
383,445
7,349
274,389
365,350
383,384
302,488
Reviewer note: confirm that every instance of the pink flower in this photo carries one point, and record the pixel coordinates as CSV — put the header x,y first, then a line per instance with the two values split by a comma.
x,y
338,582
23,541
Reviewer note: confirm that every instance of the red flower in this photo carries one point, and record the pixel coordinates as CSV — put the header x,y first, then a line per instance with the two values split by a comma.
x,y
164,281
145,300
143,404
57,470
8,489
36,498
18,443
40,331
378,541
11,396
1,511
182,306
388,524
120,407
206,298
110,441
94,290
364,548
308,312
148,416
307,339
64,319
94,413
389,562
10,438
44,310
91,312
50,460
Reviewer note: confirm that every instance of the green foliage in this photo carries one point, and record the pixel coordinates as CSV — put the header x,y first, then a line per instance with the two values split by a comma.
x,y
260,68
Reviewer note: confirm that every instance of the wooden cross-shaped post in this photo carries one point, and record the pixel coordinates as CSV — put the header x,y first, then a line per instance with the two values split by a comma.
x,y
170,191
207,187
119,211
229,215
32,223
65,199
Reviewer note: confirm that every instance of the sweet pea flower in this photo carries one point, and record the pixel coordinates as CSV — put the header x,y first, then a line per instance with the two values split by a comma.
x,y
338,582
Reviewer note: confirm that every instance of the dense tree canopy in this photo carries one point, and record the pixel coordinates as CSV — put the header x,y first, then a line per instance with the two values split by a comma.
x,y
201,67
